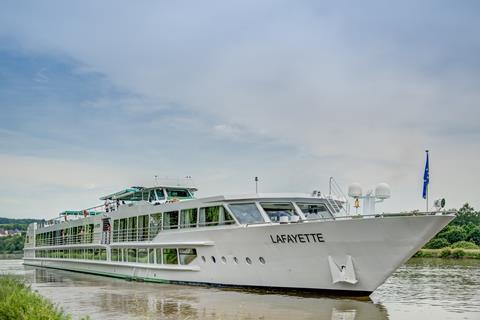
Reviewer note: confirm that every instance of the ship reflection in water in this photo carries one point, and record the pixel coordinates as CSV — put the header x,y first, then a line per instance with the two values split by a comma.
x,y
421,289
102,297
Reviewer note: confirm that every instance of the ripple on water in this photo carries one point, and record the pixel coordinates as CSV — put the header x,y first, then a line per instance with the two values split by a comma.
x,y
421,289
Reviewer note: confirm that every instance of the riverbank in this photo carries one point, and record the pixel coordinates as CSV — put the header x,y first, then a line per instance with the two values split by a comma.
x,y
4,256
18,301
448,253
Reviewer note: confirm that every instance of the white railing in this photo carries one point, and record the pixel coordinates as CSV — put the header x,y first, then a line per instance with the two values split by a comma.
x,y
337,198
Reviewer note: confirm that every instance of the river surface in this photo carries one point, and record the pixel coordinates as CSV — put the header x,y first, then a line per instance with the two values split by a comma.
x,y
421,289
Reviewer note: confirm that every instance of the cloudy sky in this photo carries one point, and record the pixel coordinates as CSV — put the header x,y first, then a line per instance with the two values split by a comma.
x,y
96,96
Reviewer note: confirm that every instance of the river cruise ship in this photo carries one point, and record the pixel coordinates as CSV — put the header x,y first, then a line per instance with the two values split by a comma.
x,y
274,241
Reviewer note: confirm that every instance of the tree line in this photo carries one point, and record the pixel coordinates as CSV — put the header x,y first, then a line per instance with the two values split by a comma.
x,y
462,232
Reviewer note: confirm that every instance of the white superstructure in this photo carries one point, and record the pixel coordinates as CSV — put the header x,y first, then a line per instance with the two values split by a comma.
x,y
287,241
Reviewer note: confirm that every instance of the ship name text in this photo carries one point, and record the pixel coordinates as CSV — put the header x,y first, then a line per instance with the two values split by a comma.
x,y
297,238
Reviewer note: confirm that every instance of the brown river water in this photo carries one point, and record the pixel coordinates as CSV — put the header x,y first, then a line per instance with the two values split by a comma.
x,y
421,289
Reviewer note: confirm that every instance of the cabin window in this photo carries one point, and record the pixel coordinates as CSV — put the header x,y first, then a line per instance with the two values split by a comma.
x,y
151,256
114,255
142,256
96,254
214,216
277,210
170,256
103,254
160,194
123,230
314,210
132,229
155,225
152,197
143,228
246,213
187,255
89,254
188,218
132,255
158,254
116,225
170,220
178,193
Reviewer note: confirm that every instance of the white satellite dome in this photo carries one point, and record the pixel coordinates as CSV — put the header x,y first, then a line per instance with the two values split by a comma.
x,y
382,191
355,190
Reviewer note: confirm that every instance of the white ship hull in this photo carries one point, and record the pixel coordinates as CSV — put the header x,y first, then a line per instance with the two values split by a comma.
x,y
306,256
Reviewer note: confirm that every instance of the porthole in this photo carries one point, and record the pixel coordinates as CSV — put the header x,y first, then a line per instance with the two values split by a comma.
x,y
203,259
235,259
214,260
262,261
249,261
224,260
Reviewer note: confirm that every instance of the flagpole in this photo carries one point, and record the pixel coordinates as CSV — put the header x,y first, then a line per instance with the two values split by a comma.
x,y
428,184
427,198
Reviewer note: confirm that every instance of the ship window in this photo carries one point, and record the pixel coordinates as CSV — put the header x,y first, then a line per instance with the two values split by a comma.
x,y
224,260
142,256
132,229
170,220
262,260
143,228
214,260
160,194
203,259
277,210
213,216
96,254
187,255
155,224
152,197
178,193
103,254
151,256
170,256
158,253
246,213
314,210
132,255
188,218
114,255
249,261
235,259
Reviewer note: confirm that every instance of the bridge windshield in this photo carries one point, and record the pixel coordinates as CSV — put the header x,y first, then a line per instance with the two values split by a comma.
x,y
246,213
277,210
314,210
178,194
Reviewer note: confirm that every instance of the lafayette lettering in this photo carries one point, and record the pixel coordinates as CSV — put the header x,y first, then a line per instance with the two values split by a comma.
x,y
298,238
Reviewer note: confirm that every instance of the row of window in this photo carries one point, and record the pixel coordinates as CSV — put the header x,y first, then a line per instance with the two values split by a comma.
x,y
146,227
83,254
72,235
173,256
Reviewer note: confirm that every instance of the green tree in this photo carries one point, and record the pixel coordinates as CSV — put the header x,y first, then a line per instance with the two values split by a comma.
x,y
467,215
455,234
474,235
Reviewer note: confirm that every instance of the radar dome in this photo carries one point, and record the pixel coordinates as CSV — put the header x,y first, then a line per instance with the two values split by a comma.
x,y
382,191
355,190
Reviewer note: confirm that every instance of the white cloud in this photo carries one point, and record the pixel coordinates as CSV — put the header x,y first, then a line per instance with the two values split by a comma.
x,y
361,106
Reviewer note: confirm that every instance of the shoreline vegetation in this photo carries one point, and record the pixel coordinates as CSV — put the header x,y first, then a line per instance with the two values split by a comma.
x,y
19,301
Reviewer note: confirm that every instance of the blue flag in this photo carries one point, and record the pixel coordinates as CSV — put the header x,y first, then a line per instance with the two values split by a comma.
x,y
426,178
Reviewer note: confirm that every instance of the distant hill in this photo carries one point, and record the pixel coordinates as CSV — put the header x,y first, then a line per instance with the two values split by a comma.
x,y
16,224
